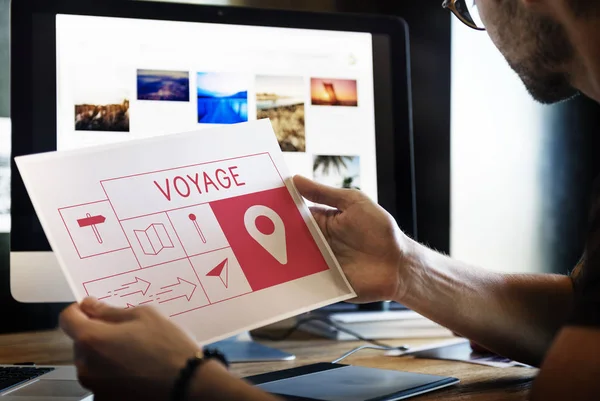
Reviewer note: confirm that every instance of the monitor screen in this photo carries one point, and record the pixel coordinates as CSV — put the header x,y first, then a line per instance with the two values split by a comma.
x,y
120,79
336,89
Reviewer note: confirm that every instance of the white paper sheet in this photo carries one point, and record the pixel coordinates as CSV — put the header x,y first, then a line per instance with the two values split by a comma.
x,y
206,226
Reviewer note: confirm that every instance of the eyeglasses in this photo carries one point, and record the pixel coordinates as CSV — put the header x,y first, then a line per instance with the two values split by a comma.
x,y
466,11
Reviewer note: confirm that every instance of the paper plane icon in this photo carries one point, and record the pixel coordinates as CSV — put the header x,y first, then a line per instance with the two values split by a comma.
x,y
221,271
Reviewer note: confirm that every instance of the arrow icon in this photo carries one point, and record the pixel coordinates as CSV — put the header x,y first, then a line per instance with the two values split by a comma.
x,y
91,221
183,287
222,269
138,286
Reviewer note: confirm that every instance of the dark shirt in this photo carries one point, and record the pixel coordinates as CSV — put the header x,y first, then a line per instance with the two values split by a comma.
x,y
586,275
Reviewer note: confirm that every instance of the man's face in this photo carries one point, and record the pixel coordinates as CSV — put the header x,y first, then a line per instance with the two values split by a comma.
x,y
536,47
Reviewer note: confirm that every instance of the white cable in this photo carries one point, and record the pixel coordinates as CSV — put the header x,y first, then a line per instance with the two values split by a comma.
x,y
347,354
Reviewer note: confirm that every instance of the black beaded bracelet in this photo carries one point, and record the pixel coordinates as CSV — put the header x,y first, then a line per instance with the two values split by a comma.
x,y
182,382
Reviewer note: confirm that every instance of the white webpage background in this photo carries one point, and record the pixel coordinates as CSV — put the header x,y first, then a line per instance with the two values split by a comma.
x,y
92,51
57,179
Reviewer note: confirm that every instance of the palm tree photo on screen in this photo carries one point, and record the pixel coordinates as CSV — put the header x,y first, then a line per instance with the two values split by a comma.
x,y
337,171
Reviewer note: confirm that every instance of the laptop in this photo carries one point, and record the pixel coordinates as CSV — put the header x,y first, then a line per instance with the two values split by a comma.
x,y
48,383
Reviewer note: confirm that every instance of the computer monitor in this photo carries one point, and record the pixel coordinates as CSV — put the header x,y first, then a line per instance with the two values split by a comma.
x,y
336,88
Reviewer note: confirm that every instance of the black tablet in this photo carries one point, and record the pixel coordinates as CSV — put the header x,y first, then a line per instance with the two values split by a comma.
x,y
338,382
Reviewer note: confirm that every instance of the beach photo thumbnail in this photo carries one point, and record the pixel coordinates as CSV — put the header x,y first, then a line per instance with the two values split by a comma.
x,y
102,116
337,171
281,99
101,98
333,92
163,85
222,98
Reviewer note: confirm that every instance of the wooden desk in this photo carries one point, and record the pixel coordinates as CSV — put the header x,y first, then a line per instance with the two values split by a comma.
x,y
477,382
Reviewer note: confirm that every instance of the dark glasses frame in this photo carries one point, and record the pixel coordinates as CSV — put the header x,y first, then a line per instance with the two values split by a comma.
x,y
460,10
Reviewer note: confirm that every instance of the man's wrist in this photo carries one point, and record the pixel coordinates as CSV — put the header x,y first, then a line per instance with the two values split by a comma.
x,y
410,266
207,382
189,374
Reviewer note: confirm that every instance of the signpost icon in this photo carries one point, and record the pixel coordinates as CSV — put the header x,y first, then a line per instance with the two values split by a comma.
x,y
92,221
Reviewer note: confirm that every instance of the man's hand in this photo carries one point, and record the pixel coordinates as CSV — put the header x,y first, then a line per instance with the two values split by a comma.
x,y
365,239
126,353
137,354
484,306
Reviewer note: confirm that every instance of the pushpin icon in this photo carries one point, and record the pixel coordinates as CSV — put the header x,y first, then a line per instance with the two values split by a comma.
x,y
192,217
266,227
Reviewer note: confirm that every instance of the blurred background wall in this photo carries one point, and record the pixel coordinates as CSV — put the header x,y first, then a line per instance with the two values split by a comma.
x,y
521,172
502,182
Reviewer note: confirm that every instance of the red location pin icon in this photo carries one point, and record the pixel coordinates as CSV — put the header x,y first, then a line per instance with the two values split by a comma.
x,y
266,227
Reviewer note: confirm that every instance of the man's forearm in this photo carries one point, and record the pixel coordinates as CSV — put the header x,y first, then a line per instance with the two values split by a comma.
x,y
515,315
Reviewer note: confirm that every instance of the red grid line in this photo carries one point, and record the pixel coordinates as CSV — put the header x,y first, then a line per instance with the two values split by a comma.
x,y
180,167
103,253
188,258
184,207
83,204
276,169
195,204
213,303
167,210
111,276
124,233
69,232
164,263
207,252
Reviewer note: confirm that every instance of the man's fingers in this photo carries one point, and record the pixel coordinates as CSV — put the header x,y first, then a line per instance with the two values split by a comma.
x,y
101,311
75,322
323,194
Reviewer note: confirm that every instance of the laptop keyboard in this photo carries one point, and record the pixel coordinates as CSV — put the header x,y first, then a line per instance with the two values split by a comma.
x,y
11,376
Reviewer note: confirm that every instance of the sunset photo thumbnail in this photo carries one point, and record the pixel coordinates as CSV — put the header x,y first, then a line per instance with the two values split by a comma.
x,y
333,92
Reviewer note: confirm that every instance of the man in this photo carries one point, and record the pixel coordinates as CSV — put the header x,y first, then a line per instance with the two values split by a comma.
x,y
551,321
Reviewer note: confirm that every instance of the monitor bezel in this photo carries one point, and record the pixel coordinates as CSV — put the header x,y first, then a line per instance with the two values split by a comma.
x,y
395,152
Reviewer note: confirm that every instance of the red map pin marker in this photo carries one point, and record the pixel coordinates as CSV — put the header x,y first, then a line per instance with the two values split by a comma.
x,y
269,236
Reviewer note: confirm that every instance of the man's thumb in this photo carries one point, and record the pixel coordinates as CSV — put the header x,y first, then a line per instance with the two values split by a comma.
x,y
322,194
101,311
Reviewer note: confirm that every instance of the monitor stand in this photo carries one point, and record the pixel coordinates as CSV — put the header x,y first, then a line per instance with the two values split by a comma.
x,y
382,306
370,321
242,348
